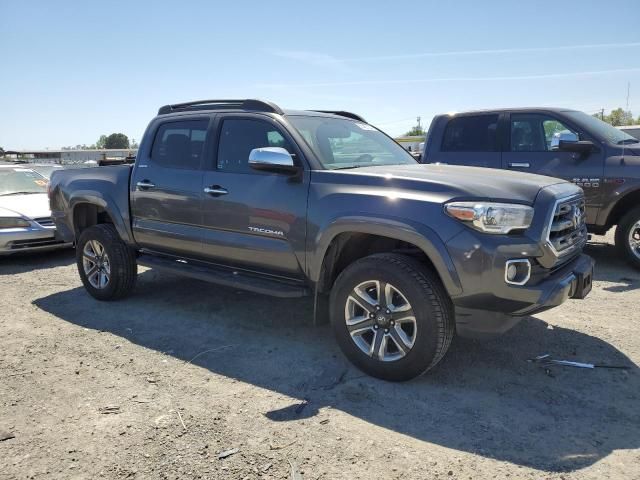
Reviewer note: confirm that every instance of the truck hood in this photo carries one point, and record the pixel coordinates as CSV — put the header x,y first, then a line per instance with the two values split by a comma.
x,y
34,205
453,181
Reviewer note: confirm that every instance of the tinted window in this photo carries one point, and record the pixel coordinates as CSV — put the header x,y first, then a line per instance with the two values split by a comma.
x,y
180,144
538,133
471,134
239,136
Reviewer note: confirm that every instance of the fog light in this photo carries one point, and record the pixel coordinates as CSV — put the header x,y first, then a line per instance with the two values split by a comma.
x,y
512,271
517,272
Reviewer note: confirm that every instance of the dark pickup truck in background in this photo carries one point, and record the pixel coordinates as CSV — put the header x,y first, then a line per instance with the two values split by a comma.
x,y
309,203
603,160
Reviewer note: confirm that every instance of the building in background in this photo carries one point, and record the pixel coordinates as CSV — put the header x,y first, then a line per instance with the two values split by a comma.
x,y
71,157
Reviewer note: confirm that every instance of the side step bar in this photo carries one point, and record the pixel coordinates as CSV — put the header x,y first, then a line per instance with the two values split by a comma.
x,y
225,277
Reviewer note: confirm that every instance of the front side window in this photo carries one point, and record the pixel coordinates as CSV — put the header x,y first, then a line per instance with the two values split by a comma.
x,y
471,133
14,181
538,133
340,144
239,136
180,144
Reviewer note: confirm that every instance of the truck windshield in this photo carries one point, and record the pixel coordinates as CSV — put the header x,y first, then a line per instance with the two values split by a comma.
x,y
20,180
341,144
602,129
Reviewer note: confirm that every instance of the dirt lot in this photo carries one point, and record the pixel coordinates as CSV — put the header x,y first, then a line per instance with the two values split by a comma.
x,y
157,385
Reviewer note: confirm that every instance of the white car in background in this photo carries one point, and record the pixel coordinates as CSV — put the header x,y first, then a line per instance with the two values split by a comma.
x,y
25,217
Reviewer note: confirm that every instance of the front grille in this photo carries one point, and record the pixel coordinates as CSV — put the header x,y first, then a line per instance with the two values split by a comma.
x,y
44,221
568,231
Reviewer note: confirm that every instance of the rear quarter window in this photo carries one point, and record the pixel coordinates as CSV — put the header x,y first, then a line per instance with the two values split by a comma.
x,y
475,133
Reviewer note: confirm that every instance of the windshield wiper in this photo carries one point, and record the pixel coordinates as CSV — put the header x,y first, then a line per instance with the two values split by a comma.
x,y
352,166
19,193
628,140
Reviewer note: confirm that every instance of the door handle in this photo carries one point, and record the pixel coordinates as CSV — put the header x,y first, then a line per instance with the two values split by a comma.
x,y
145,185
215,190
519,165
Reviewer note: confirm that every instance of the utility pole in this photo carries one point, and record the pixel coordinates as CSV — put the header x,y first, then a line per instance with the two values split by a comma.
x,y
419,126
602,115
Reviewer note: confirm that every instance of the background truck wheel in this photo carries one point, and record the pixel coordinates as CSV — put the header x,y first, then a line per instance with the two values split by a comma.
x,y
391,316
628,237
106,264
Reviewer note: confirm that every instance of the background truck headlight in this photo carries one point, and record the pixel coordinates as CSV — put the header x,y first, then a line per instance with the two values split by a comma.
x,y
490,217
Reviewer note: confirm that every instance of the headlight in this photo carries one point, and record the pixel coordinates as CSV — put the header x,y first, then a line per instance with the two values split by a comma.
x,y
13,222
491,217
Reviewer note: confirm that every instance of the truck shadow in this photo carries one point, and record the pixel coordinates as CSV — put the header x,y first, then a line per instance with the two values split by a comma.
x,y
484,397
610,267
26,262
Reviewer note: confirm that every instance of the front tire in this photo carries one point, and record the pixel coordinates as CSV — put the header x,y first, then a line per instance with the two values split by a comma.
x,y
628,237
391,316
107,266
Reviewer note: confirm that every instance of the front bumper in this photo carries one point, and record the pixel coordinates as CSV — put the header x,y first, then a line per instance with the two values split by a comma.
x,y
30,239
489,305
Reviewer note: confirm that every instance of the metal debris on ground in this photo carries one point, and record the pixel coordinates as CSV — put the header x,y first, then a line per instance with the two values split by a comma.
x,y
294,471
227,453
547,360
6,436
109,409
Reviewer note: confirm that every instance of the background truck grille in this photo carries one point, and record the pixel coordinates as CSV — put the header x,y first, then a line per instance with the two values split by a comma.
x,y
568,231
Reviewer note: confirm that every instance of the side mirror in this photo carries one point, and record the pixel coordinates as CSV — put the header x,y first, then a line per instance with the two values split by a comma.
x,y
272,159
583,147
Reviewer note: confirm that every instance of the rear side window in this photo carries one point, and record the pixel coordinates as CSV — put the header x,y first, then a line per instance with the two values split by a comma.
x,y
471,134
239,136
180,144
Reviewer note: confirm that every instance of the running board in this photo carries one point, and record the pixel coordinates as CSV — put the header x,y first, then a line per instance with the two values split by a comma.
x,y
225,277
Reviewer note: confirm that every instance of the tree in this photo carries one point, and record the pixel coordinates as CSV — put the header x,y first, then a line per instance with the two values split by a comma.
x,y
618,117
417,130
116,140
101,142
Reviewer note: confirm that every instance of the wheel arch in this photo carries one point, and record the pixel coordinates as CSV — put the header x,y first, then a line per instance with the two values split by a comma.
x,y
627,202
92,210
351,238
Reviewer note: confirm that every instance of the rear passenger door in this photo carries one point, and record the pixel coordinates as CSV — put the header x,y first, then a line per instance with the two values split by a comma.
x,y
166,188
253,219
470,140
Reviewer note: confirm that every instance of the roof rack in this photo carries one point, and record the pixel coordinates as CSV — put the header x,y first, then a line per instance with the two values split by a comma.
x,y
245,104
342,113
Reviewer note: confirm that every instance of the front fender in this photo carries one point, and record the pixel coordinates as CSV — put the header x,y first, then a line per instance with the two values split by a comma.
x,y
417,234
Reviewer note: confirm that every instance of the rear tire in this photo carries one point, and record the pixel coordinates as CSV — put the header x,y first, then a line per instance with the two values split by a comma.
x,y
416,333
107,266
628,237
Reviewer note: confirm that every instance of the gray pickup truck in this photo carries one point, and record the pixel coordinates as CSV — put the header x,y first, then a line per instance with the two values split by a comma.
x,y
603,160
313,203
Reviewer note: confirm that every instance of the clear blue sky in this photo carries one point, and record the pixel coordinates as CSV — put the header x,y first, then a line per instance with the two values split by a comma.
x,y
72,70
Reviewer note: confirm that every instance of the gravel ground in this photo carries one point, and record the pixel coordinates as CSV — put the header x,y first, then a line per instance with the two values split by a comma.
x,y
158,385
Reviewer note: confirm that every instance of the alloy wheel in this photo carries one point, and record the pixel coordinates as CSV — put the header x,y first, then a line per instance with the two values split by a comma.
x,y
380,320
95,262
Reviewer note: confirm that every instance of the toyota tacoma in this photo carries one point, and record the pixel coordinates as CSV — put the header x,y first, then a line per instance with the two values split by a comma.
x,y
400,256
